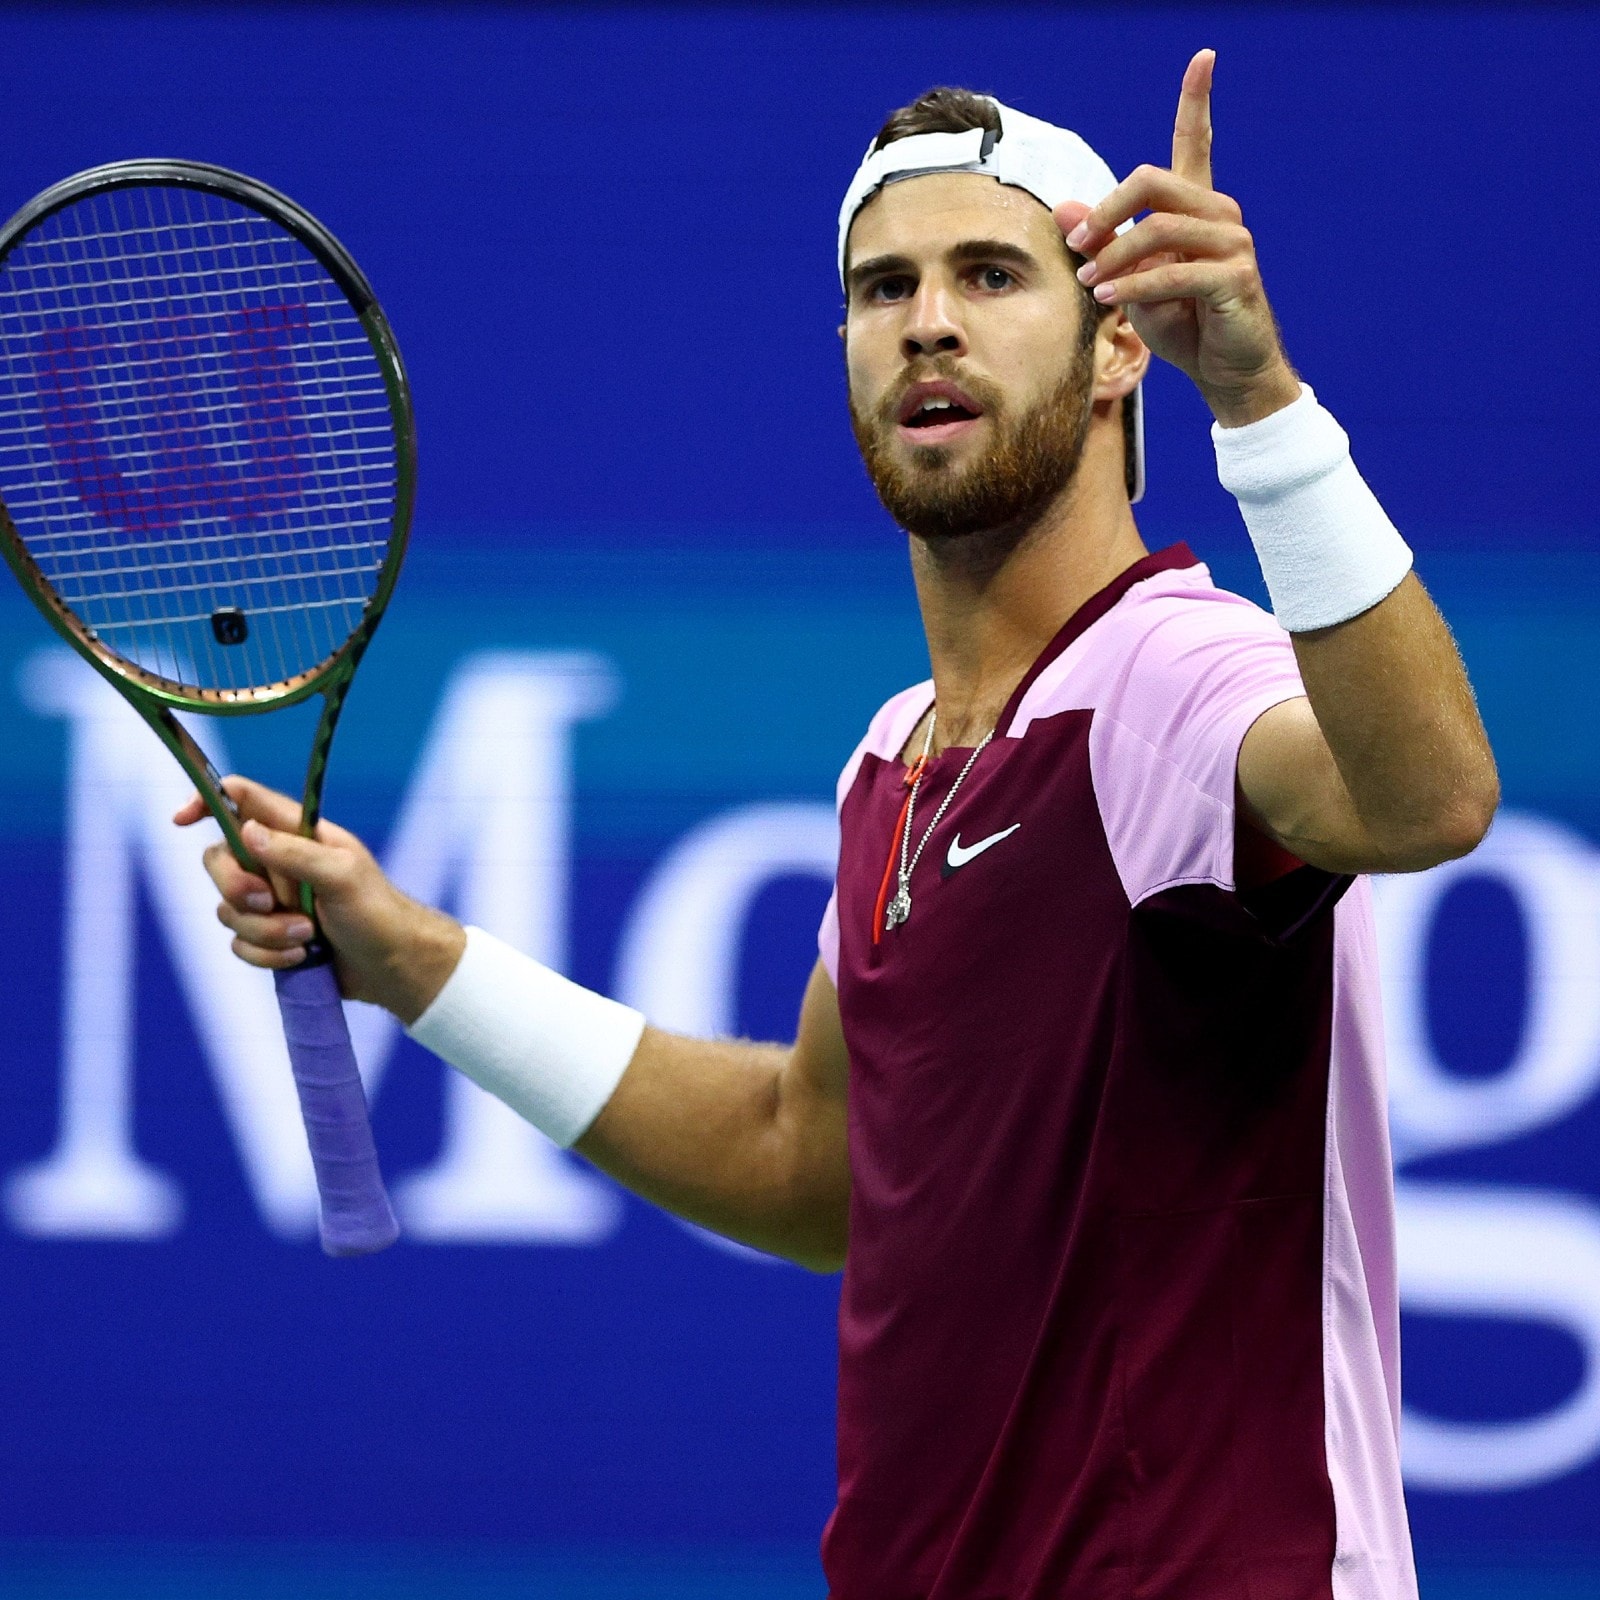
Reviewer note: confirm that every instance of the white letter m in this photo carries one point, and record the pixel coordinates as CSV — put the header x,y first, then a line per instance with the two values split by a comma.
x,y
485,826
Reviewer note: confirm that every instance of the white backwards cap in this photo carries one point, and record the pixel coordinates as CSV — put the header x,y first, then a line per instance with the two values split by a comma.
x,y
1052,164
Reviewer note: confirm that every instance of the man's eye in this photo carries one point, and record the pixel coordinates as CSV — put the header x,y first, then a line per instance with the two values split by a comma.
x,y
890,289
994,278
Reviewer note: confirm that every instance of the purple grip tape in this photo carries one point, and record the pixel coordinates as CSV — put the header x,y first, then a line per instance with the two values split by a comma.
x,y
356,1217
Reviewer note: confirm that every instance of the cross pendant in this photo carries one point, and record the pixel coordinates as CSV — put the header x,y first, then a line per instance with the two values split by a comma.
x,y
899,908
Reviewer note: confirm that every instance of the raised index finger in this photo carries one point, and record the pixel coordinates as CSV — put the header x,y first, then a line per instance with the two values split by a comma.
x,y
1191,133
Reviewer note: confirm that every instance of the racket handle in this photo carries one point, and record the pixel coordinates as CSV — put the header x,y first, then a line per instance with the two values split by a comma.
x,y
356,1216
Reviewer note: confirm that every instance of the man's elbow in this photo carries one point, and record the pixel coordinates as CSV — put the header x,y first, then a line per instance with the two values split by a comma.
x,y
820,1247
816,1234
824,1262
1454,830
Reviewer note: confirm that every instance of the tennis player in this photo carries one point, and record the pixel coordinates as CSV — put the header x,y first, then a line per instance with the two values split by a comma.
x,y
1087,1098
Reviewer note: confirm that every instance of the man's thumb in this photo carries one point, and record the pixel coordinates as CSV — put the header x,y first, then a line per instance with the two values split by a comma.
x,y
295,857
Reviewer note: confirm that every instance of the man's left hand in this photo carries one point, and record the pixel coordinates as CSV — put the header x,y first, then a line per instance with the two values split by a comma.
x,y
1187,272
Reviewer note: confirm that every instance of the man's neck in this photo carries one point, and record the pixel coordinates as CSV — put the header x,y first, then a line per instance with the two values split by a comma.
x,y
991,602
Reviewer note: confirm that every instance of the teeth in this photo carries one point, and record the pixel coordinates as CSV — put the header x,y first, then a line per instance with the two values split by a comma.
x,y
936,403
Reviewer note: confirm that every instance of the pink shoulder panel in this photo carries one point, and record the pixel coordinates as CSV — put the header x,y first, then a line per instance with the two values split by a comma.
x,y
1175,673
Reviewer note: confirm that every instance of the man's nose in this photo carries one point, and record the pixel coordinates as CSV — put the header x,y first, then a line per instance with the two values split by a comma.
x,y
933,327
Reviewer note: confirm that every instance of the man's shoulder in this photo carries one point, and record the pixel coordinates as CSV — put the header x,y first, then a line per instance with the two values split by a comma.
x,y
1181,600
1169,630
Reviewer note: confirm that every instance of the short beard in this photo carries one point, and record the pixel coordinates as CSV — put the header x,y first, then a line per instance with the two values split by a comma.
x,y
1007,490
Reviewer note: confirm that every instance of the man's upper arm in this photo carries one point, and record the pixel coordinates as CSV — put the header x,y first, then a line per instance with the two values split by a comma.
x,y
821,1063
812,1110
1290,788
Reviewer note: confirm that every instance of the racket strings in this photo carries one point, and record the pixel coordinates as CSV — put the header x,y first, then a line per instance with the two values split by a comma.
x,y
196,442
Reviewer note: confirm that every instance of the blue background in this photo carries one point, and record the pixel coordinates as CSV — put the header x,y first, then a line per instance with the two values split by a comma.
x,y
605,240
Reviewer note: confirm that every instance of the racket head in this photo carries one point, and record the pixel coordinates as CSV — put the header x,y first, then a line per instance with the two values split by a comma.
x,y
207,448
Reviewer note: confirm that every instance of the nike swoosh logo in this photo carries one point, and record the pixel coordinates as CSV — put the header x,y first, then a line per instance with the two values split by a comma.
x,y
960,854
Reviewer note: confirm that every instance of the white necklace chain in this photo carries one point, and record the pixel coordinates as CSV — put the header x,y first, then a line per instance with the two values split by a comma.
x,y
899,907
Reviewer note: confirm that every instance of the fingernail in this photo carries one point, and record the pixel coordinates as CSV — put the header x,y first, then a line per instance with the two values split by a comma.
x,y
299,930
260,901
1079,235
1105,293
1086,273
252,832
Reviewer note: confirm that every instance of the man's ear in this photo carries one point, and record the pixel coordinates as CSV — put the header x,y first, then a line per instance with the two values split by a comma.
x,y
841,333
1121,357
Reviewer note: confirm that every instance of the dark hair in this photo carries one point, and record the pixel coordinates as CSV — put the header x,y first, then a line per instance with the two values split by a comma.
x,y
940,111
948,110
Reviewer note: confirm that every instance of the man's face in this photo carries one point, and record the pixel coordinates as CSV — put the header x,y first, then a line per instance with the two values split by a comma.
x,y
970,378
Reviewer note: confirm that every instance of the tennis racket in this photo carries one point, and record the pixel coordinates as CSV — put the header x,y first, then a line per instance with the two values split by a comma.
x,y
207,463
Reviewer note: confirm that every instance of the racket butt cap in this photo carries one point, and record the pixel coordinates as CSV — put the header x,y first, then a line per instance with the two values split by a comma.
x,y
364,1239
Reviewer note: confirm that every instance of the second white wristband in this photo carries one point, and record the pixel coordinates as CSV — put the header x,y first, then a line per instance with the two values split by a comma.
x,y
1328,550
551,1049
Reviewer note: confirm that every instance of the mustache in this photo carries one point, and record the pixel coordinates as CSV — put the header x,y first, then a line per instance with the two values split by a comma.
x,y
988,395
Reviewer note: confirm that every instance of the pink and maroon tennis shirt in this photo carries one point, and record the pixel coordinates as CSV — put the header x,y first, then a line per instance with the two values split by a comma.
x,y
1119,1320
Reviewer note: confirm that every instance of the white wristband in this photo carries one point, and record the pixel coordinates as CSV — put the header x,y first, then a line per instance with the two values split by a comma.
x,y
552,1050
1327,548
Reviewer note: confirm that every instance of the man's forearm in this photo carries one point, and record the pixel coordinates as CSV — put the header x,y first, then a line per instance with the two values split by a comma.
x,y
746,1139
1390,770
727,1135
1392,700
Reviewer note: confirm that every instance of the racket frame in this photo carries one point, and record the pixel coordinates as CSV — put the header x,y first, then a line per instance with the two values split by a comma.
x,y
157,698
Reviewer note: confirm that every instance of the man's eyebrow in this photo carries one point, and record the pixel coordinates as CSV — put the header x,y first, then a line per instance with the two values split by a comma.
x,y
876,267
969,250
993,250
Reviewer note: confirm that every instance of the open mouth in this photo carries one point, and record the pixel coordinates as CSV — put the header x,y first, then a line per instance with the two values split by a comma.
x,y
932,412
937,411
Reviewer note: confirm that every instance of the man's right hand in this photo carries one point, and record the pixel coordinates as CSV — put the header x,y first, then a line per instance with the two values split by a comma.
x,y
388,948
